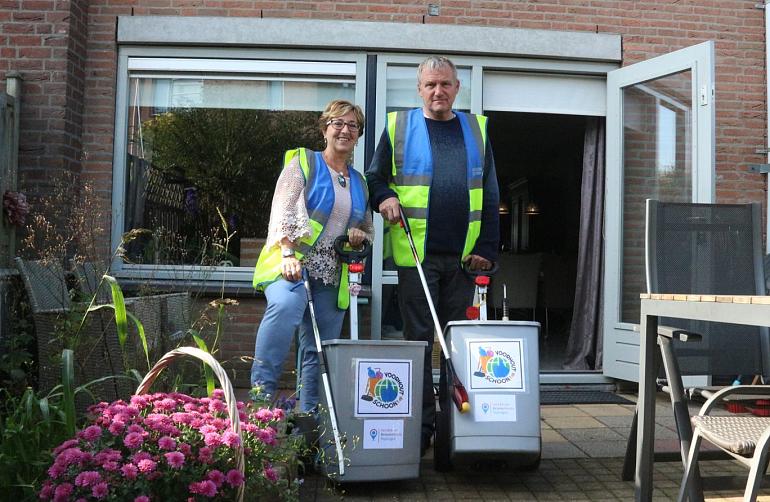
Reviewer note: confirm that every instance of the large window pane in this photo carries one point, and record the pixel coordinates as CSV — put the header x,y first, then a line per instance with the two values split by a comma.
x,y
204,154
657,155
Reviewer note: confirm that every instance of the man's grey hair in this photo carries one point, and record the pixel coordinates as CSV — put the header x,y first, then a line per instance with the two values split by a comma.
x,y
433,63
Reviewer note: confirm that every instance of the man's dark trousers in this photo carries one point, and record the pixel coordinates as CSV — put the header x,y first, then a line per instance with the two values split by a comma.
x,y
452,292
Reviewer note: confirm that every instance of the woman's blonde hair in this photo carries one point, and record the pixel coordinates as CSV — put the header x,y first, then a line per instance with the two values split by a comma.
x,y
338,108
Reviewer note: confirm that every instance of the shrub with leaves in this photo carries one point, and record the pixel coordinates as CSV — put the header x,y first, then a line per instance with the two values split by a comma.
x,y
171,446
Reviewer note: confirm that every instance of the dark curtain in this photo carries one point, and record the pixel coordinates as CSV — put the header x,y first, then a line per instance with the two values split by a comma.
x,y
584,347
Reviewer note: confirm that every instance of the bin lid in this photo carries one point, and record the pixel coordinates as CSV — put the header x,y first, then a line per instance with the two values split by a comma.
x,y
494,323
377,343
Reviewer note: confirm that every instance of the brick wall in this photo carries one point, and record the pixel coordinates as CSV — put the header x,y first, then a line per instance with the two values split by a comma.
x,y
45,40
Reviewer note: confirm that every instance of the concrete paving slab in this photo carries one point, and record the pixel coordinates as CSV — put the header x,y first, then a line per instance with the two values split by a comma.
x,y
573,422
605,410
561,411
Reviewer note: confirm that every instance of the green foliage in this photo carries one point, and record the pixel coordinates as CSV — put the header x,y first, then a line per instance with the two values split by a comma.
x,y
231,157
30,427
17,365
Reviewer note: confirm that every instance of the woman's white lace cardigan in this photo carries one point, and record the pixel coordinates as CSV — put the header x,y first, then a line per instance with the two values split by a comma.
x,y
289,218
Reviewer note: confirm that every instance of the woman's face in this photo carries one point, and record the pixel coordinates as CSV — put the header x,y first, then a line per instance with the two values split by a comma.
x,y
342,140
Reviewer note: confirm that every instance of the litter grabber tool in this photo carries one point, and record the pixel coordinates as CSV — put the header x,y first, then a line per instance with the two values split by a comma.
x,y
481,281
459,394
354,260
324,375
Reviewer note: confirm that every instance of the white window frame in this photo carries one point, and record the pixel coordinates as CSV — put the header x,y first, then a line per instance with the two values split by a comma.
x,y
164,61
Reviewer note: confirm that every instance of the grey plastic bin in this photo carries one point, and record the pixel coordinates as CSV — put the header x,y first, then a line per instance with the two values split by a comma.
x,y
377,388
504,390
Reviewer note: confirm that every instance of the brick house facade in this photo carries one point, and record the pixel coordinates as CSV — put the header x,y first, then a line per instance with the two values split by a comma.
x,y
66,52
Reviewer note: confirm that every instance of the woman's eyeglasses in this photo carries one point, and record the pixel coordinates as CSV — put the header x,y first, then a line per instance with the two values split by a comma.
x,y
339,124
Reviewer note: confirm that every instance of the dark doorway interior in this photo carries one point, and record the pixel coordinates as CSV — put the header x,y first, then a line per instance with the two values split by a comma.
x,y
539,163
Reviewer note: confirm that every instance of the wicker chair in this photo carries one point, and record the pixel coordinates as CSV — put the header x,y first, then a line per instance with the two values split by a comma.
x,y
744,437
163,316
96,346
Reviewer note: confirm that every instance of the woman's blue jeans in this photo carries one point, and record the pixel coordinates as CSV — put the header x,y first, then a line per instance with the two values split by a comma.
x,y
287,310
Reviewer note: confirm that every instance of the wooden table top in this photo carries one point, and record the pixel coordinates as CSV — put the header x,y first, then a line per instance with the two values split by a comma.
x,y
744,299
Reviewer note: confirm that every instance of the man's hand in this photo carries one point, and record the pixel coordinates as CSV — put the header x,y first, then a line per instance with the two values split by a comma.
x,y
389,209
356,237
476,262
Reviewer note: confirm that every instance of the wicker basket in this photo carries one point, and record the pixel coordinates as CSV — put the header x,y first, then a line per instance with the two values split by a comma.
x,y
224,381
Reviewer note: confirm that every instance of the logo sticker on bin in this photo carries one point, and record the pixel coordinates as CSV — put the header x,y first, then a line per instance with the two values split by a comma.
x,y
383,434
383,387
494,408
494,364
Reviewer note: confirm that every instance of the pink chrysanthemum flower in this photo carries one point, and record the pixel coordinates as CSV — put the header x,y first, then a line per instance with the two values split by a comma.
x,y
142,498
231,439
116,427
91,433
235,477
100,490
212,439
133,440
87,478
65,445
146,465
271,474
130,471
63,491
205,455
217,406
110,465
264,415
175,459
166,443
216,476
207,488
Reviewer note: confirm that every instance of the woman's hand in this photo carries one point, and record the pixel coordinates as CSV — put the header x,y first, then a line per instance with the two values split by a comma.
x,y
291,268
356,237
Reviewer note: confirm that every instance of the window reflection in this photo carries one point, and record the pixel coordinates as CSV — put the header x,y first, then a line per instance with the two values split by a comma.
x,y
203,158
657,164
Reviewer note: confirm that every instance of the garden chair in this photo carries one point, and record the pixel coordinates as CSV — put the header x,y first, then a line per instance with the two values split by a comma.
x,y
56,318
744,437
703,249
164,317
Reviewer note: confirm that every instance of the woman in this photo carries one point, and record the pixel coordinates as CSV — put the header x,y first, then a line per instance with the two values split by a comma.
x,y
318,197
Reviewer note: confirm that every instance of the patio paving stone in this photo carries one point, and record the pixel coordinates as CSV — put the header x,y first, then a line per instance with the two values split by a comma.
x,y
604,410
573,422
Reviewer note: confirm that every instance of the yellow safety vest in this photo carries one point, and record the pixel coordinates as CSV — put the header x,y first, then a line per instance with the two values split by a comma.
x,y
412,173
319,200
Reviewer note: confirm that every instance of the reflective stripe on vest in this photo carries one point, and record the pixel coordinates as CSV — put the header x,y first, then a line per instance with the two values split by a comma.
x,y
319,200
412,173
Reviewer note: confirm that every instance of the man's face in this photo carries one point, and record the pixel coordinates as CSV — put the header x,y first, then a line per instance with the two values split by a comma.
x,y
438,90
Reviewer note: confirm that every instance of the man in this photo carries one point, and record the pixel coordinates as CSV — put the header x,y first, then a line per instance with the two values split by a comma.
x,y
437,164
